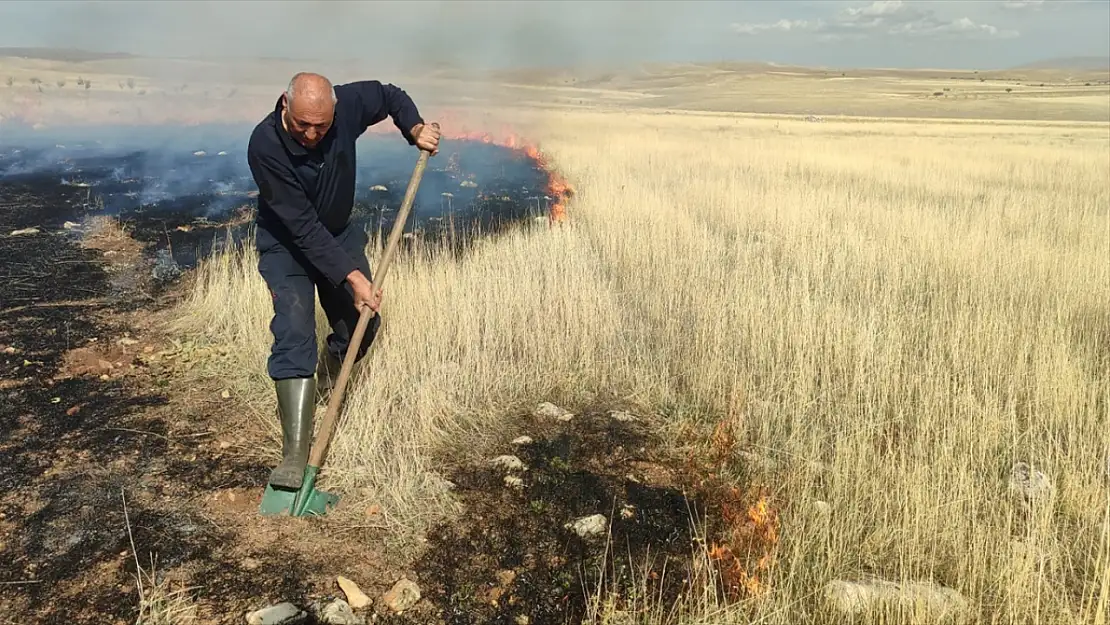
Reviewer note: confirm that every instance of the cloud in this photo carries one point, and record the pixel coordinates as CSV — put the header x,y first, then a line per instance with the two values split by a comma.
x,y
882,18
1020,5
781,26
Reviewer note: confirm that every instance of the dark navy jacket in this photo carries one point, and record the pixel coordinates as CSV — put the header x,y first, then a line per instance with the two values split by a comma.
x,y
305,196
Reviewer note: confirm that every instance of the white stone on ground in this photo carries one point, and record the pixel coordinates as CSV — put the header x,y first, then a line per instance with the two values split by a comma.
x,y
280,614
404,594
623,416
589,526
508,463
354,594
548,410
860,597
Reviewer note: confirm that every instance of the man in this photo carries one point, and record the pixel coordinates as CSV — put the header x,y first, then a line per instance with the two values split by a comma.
x,y
302,156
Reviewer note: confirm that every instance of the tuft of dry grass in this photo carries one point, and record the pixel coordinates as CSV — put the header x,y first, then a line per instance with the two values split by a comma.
x,y
159,603
905,310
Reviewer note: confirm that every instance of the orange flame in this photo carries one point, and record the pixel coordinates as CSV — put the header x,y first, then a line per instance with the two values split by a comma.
x,y
453,128
756,532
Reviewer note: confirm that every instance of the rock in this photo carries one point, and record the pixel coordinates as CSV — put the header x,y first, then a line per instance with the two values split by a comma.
x,y
404,594
165,266
126,341
548,410
16,233
280,614
69,225
355,596
861,597
623,416
522,440
508,463
378,187
250,564
1032,485
589,526
514,482
337,612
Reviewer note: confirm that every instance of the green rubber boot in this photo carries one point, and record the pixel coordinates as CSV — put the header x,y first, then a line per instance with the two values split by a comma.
x,y
296,407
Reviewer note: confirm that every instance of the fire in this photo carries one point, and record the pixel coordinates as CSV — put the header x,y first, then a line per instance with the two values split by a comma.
x,y
558,188
750,536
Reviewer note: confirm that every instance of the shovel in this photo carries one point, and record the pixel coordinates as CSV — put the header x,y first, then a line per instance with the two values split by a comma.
x,y
308,500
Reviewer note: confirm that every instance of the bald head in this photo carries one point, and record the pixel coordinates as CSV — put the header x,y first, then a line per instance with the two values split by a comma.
x,y
309,108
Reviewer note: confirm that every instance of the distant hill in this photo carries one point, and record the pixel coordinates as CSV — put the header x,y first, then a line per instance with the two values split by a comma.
x,y
70,55
1075,63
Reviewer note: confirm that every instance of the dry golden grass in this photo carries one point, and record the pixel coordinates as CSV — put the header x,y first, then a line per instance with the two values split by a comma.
x,y
905,309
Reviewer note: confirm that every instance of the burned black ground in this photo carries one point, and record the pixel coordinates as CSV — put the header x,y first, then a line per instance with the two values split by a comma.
x,y
511,555
194,193
73,449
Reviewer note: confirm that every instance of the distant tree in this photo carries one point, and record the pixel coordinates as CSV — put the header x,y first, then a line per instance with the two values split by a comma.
x,y
61,82
1009,89
88,84
35,81
10,81
130,83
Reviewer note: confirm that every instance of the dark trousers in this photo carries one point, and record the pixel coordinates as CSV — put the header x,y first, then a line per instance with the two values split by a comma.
x,y
293,283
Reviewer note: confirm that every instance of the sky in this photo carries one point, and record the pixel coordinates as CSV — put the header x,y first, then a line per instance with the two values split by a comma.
x,y
890,33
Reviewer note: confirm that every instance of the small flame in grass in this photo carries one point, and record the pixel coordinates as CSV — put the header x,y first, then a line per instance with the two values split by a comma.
x,y
744,549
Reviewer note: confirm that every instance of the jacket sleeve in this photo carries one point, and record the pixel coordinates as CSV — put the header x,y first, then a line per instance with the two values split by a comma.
x,y
281,191
376,101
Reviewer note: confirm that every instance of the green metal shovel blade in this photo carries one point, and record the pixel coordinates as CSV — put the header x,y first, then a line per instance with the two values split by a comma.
x,y
303,502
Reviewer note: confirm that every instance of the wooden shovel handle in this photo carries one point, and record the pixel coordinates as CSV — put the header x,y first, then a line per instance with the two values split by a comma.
x,y
327,428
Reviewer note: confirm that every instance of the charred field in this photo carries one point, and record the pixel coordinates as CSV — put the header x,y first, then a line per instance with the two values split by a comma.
x,y
118,468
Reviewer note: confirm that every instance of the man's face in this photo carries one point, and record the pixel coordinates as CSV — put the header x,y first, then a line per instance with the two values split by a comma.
x,y
308,120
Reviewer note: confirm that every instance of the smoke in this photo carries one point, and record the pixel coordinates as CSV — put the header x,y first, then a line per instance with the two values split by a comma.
x,y
379,36
186,173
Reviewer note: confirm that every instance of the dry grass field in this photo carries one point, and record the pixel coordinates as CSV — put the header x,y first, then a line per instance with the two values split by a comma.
x,y
888,314
893,314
